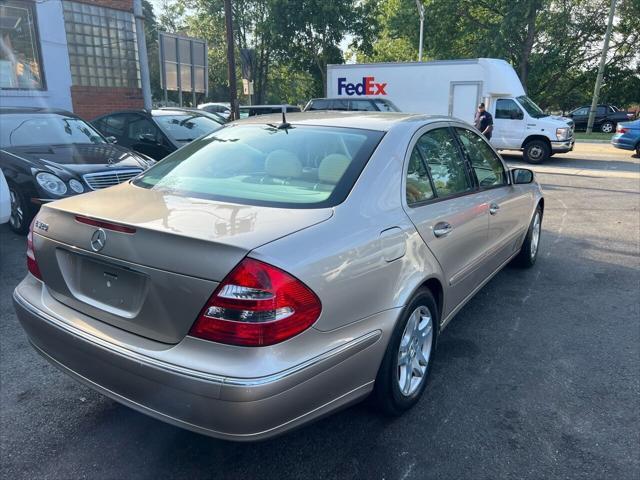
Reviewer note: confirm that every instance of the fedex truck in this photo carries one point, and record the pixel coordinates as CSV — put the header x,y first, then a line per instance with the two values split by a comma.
x,y
455,88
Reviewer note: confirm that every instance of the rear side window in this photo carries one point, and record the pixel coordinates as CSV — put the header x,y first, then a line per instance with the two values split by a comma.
x,y
486,165
300,167
446,165
419,188
362,106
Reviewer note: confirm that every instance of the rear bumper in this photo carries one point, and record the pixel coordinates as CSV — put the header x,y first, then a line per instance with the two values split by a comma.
x,y
242,409
625,143
563,147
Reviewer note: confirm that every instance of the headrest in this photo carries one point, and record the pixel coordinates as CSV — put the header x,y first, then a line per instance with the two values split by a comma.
x,y
283,164
332,167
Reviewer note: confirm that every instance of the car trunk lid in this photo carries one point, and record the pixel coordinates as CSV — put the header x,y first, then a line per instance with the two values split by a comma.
x,y
158,257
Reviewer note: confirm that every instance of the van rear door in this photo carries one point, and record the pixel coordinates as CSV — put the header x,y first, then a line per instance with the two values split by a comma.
x,y
463,100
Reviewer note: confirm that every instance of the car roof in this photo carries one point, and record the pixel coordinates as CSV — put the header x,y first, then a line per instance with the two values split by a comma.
x,y
381,121
278,105
59,111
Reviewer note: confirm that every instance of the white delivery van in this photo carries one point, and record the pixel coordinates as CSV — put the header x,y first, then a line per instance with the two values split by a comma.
x,y
455,88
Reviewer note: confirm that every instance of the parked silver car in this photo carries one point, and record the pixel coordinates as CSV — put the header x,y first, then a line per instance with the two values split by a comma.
x,y
272,272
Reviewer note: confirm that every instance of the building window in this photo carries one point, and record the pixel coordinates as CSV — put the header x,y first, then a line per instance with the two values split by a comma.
x,y
20,63
102,46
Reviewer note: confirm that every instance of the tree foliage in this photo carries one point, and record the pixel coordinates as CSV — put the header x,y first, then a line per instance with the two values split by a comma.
x,y
554,45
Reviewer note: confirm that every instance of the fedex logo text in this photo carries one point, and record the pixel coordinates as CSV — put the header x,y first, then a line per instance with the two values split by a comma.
x,y
367,87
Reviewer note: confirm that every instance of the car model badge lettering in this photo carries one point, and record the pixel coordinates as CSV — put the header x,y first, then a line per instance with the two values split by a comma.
x,y
98,240
42,226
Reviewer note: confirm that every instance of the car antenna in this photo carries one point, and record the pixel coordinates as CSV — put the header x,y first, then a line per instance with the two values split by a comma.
x,y
284,125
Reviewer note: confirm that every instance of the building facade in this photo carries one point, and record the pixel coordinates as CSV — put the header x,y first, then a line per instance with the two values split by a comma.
x,y
78,55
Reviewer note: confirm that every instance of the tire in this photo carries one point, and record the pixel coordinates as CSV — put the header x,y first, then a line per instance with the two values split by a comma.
x,y
21,212
607,127
528,254
638,150
536,151
388,395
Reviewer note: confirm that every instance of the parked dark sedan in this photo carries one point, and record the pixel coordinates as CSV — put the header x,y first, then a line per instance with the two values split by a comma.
x,y
157,133
50,154
607,117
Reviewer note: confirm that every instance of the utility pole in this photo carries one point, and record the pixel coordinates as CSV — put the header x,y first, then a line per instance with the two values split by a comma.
x,y
421,12
603,60
142,54
228,16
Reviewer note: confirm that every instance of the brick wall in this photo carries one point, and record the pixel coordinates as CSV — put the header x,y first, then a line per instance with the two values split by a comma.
x,y
116,4
91,102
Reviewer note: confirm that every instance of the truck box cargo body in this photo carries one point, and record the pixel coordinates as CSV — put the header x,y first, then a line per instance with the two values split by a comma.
x,y
455,88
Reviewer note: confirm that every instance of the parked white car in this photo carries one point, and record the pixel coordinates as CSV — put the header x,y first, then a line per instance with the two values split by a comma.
x,y
5,200
455,88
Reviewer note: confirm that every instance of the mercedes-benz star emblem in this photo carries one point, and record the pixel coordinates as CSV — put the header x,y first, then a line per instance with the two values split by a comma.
x,y
98,240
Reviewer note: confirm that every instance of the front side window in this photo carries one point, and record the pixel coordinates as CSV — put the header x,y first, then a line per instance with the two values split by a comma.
x,y
185,128
142,129
508,109
102,46
581,111
386,105
298,167
486,165
446,165
319,105
17,130
20,63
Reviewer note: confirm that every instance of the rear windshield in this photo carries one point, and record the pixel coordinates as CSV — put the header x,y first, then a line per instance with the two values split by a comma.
x,y
22,129
297,167
187,127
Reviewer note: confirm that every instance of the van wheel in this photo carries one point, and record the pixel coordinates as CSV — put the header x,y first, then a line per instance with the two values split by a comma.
x,y
529,251
406,365
607,127
536,151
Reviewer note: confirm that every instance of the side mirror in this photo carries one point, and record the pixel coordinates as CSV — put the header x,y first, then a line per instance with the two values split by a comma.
x,y
111,139
520,176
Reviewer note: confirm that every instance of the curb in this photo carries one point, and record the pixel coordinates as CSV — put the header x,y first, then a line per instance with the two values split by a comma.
x,y
579,140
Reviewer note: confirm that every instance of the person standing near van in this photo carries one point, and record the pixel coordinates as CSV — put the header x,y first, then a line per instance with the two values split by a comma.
x,y
484,121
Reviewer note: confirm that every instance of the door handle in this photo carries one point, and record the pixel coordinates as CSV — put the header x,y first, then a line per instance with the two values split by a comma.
x,y
493,208
441,229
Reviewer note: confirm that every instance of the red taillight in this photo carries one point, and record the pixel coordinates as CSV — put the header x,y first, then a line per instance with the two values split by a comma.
x,y
32,265
257,304
621,129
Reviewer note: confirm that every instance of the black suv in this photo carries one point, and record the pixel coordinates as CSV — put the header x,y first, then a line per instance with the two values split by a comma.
x,y
607,117
360,104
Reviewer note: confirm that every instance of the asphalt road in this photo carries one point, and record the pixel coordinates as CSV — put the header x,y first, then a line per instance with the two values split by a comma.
x,y
537,377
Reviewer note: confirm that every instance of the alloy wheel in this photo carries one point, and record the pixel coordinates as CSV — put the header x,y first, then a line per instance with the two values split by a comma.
x,y
535,235
415,351
17,212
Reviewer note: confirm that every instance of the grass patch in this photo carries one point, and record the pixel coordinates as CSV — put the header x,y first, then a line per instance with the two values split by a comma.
x,y
593,136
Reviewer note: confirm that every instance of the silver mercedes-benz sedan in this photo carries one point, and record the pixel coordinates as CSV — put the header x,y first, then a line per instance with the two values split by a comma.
x,y
276,270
